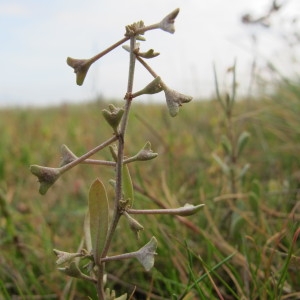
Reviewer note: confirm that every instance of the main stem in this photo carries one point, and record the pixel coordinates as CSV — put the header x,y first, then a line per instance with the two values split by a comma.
x,y
119,167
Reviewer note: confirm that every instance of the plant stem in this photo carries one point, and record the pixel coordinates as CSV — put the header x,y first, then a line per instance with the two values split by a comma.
x,y
166,211
119,257
119,166
147,28
99,55
99,162
87,155
147,67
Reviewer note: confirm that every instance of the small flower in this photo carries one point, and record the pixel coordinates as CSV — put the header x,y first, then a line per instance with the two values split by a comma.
x,y
81,67
132,29
175,100
146,254
46,176
167,23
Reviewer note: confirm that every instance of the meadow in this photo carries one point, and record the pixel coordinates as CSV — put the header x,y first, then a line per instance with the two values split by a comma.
x,y
244,244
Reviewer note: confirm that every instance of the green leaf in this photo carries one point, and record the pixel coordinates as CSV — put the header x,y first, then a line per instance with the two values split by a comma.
x,y
244,170
254,197
87,232
226,144
98,211
256,188
225,168
237,225
242,141
127,186
254,203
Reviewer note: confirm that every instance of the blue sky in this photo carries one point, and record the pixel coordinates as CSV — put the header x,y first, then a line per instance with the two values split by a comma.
x,y
36,37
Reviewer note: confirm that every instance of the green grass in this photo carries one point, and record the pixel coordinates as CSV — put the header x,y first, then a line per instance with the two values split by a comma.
x,y
199,257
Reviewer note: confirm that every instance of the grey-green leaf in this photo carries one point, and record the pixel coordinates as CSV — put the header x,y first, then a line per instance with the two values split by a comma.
x,y
98,211
242,141
225,168
226,144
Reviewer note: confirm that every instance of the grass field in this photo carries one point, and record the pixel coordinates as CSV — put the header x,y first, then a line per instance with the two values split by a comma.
x,y
244,244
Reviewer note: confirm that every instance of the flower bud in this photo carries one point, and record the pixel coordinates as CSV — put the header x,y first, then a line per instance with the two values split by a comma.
x,y
113,116
132,29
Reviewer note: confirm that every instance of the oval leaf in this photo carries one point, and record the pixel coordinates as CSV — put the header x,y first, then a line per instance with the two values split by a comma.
x,y
98,211
226,144
225,168
242,141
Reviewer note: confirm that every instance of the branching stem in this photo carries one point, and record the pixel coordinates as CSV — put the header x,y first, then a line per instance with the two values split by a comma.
x,y
104,52
147,67
119,166
85,156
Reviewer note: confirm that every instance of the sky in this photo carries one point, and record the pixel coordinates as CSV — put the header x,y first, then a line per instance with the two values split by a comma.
x,y
36,37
